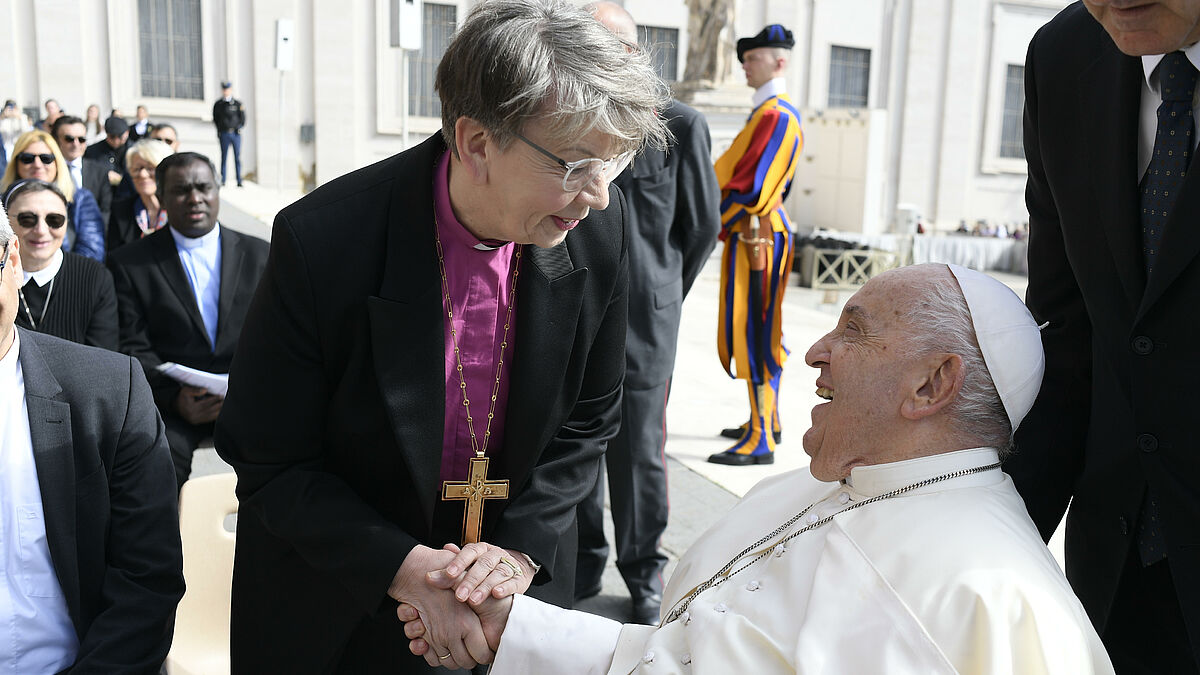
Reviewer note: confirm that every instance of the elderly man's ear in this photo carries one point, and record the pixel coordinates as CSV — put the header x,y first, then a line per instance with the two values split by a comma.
x,y
934,386
471,139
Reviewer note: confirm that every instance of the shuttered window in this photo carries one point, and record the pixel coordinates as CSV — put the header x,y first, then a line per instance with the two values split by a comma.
x,y
169,49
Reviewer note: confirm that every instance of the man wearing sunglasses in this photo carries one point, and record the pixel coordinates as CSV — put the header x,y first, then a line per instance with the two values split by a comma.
x,y
92,558
71,135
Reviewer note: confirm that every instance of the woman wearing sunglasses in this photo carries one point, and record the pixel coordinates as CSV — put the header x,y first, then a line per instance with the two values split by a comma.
x,y
63,294
36,156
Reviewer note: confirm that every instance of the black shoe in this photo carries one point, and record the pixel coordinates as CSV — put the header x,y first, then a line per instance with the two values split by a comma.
x,y
646,610
734,459
587,592
737,432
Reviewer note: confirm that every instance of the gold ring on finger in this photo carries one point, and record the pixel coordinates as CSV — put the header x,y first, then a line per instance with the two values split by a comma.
x,y
512,565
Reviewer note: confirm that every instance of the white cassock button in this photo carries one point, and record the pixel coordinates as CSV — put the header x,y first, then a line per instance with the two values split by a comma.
x,y
648,658
686,618
844,498
686,659
720,608
780,550
752,586
812,517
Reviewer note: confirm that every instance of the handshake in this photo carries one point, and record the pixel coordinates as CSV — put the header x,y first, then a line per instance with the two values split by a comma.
x,y
454,602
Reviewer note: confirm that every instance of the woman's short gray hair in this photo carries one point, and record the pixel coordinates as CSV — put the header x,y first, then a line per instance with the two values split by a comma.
x,y
151,150
941,323
514,60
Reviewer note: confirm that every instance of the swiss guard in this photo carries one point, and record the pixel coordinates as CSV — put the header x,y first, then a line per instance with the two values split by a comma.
x,y
755,174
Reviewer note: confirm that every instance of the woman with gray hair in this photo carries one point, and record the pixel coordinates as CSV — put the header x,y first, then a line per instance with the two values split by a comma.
x,y
139,214
430,371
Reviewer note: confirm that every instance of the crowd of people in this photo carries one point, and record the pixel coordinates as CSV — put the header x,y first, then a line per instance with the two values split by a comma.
x,y
420,414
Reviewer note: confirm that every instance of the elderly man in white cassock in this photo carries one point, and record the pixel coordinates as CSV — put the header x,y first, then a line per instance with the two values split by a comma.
x,y
902,548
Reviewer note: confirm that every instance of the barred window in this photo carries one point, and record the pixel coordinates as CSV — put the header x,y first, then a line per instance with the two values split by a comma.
x,y
663,46
169,48
439,22
849,75
1011,142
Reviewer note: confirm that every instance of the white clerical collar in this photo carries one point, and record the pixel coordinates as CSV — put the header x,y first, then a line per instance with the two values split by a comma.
x,y
880,478
1149,63
209,240
10,363
44,275
774,87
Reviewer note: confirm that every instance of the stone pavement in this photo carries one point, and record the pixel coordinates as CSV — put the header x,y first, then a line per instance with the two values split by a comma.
x,y
703,399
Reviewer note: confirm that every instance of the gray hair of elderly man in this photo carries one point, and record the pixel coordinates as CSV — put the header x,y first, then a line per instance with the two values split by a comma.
x,y
941,323
6,231
516,60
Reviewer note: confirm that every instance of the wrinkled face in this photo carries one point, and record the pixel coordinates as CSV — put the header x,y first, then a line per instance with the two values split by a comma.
x,y
190,197
530,205
31,216
142,173
863,365
760,66
72,141
1143,27
37,169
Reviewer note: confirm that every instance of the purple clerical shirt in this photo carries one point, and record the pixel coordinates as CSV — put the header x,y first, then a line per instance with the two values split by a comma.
x,y
479,278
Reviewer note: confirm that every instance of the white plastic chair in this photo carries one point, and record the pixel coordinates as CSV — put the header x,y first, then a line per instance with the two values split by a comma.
x,y
201,645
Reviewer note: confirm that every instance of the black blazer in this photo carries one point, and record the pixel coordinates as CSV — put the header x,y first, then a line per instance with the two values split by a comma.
x,y
108,492
122,225
1118,403
336,406
83,305
159,318
95,180
674,218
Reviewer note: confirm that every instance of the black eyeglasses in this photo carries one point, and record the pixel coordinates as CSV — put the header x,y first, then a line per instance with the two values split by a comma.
x,y
73,139
29,220
28,157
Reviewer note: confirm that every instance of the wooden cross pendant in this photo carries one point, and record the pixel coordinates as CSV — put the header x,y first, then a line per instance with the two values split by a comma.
x,y
473,491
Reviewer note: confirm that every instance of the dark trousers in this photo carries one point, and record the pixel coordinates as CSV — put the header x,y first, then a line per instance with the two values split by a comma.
x,y
184,438
1145,631
231,139
637,484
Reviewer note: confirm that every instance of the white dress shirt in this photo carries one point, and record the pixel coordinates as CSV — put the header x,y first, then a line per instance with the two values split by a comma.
x,y
36,633
201,260
774,87
1152,98
76,167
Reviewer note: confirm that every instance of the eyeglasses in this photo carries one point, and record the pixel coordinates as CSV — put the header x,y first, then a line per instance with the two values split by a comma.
x,y
582,172
28,157
73,139
135,170
29,220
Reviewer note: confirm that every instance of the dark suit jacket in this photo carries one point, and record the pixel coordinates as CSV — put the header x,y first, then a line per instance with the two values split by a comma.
x,y
108,492
1118,403
95,180
335,413
159,318
122,226
674,218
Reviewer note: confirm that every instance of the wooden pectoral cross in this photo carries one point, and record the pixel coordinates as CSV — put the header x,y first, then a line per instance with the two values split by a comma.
x,y
474,490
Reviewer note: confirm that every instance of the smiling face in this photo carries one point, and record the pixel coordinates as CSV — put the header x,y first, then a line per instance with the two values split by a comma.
x,y
28,215
38,169
524,195
72,140
864,366
1142,27
142,173
190,197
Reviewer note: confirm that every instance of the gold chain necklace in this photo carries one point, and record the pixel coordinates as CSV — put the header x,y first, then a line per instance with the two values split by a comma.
x,y
477,487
